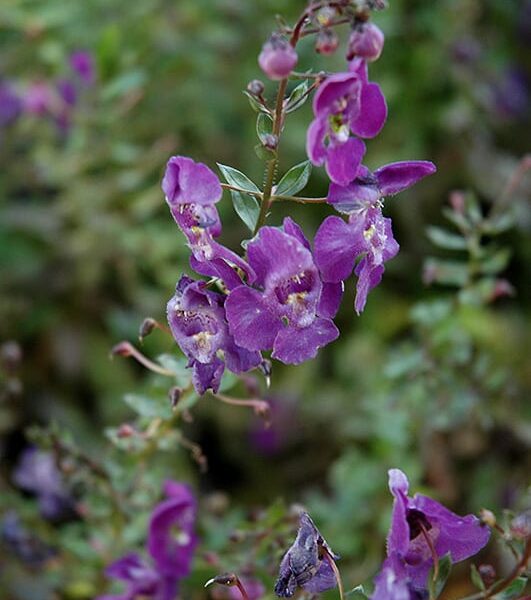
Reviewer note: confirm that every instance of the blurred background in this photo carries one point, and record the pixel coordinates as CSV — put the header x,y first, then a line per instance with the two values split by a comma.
x,y
432,378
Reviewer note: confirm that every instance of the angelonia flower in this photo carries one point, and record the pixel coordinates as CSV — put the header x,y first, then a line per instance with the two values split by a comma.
x,y
170,545
366,41
404,574
10,104
37,472
306,564
278,57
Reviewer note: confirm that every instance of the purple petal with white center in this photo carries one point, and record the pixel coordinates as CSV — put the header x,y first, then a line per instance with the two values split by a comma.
x,y
330,299
344,159
295,349
372,114
336,247
333,90
188,182
251,322
399,176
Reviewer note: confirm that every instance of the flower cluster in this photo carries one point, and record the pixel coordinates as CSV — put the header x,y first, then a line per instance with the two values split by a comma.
x,y
282,296
171,543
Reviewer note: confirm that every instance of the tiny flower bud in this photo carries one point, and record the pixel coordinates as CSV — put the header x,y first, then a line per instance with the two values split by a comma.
x,y
487,574
175,394
148,325
521,526
122,349
325,16
488,517
366,41
502,288
229,579
270,141
278,57
327,42
125,430
255,87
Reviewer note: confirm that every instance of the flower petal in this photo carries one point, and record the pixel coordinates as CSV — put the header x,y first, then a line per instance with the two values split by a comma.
x,y
343,160
399,176
330,299
336,248
373,112
295,345
188,182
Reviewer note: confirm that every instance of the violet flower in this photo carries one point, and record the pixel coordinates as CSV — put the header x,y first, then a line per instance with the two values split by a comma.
x,y
413,522
197,321
37,472
171,544
39,98
192,190
345,103
306,563
10,104
82,63
278,57
287,313
368,234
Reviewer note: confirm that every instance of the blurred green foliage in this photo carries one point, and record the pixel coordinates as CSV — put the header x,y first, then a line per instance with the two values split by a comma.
x,y
433,380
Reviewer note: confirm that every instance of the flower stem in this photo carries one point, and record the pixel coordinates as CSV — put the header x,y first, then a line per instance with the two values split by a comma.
x,y
260,407
242,589
337,574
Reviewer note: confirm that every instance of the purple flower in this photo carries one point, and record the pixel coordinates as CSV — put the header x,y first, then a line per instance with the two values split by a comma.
x,y
416,519
10,104
38,99
37,472
197,321
366,41
82,63
367,235
345,103
286,313
278,57
393,583
191,191
68,92
307,563
171,544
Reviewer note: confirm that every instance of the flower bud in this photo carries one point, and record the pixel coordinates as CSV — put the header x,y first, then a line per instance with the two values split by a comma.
x,y
487,574
488,517
125,430
278,57
122,349
366,41
270,141
148,325
255,87
175,394
327,42
325,16
521,526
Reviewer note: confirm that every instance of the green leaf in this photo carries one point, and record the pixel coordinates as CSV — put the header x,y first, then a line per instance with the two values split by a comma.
x,y
297,97
446,272
476,578
294,180
255,105
264,127
514,590
149,407
437,586
445,239
237,178
499,224
457,219
357,593
177,365
246,207
495,261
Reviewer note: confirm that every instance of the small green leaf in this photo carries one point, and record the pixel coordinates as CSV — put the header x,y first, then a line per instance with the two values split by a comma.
x,y
246,207
514,590
476,578
499,224
357,593
294,180
264,153
255,105
445,239
446,272
149,407
297,97
264,127
237,178
437,585
177,365
495,261
457,219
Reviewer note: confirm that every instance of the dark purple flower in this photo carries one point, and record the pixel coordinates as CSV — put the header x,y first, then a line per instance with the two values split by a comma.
x,y
191,191
82,63
366,41
68,92
197,321
278,57
345,103
415,519
10,104
284,313
37,472
367,235
307,563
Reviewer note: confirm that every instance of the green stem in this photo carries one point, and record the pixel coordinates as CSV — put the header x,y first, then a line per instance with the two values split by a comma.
x,y
300,200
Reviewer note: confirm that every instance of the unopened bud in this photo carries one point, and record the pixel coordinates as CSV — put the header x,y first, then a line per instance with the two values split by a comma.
x,y
174,394
487,574
488,517
366,41
229,579
122,349
502,288
278,57
325,16
326,42
148,325
255,87
125,430
521,526
270,141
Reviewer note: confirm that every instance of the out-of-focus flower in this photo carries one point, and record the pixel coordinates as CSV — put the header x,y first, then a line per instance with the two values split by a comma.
x,y
82,63
68,92
10,104
326,42
510,95
37,472
366,41
278,57
307,563
39,98
285,314
25,546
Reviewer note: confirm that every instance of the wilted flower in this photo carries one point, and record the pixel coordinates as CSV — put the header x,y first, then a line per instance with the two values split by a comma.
x,y
307,563
286,313
197,321
366,41
278,57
